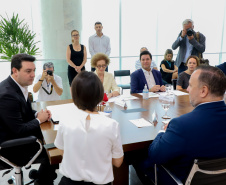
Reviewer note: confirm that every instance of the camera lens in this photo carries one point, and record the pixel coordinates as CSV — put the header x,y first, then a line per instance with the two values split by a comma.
x,y
189,32
49,72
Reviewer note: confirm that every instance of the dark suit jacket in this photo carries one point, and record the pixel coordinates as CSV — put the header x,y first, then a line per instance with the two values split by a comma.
x,y
200,134
222,67
138,80
16,115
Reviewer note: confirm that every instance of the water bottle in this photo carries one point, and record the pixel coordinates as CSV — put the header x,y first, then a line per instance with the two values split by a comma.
x,y
108,110
145,92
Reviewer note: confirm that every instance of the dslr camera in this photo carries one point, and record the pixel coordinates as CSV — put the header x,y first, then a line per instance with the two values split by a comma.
x,y
190,32
49,72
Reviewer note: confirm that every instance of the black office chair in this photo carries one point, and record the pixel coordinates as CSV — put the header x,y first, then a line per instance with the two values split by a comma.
x,y
122,73
17,179
203,172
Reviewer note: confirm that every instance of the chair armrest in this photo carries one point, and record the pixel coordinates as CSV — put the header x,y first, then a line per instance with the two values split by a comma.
x,y
176,180
18,142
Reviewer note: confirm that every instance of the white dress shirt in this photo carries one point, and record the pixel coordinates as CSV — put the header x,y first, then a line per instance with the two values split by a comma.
x,y
149,78
89,146
99,45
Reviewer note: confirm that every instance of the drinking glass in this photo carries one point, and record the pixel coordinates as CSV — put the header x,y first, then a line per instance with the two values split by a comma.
x,y
168,88
165,106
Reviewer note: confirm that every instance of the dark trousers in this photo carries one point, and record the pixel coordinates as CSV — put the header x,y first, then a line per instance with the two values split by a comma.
x,y
182,68
93,69
66,181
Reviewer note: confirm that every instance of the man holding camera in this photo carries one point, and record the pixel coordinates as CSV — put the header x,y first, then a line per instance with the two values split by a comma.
x,y
48,84
188,44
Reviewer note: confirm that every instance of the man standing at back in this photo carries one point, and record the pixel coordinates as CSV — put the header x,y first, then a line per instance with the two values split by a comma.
x,y
199,134
188,44
99,43
17,119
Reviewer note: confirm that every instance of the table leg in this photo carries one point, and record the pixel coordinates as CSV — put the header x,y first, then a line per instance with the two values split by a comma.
x,y
121,175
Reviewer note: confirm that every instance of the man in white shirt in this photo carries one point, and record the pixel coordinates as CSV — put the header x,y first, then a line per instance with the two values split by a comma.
x,y
48,85
138,63
146,76
99,43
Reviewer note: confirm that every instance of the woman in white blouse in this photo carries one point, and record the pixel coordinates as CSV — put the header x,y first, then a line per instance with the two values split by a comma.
x,y
100,61
90,142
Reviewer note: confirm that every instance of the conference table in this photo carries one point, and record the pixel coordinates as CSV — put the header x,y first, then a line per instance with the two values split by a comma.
x,y
133,138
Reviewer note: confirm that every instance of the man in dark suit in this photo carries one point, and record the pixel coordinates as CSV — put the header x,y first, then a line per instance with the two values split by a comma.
x,y
17,119
152,78
199,134
222,67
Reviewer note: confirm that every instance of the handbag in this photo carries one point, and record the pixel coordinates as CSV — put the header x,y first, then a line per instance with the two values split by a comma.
x,y
201,59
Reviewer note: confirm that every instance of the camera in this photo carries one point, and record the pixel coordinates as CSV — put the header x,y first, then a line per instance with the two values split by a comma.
x,y
190,32
49,72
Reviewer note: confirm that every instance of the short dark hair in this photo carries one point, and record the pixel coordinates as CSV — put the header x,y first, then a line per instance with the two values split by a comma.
x,y
213,78
98,22
145,53
87,90
17,60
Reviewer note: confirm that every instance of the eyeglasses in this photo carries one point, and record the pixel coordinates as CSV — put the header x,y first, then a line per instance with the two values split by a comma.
x,y
75,35
103,66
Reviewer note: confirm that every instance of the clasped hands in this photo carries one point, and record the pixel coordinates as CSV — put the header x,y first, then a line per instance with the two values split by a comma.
x,y
78,69
44,115
157,88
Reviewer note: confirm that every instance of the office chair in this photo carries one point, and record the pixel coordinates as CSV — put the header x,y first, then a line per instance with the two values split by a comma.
x,y
121,73
17,179
203,172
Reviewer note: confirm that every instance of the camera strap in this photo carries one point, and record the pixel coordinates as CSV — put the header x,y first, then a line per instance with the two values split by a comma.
x,y
197,36
49,93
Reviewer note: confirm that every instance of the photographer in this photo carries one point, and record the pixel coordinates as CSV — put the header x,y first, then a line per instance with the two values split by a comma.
x,y
48,84
188,44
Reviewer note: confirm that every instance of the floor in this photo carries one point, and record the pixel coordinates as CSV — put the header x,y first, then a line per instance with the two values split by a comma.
x,y
133,179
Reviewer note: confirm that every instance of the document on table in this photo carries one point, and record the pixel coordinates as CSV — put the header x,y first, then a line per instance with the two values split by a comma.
x,y
122,98
58,110
179,93
141,122
150,95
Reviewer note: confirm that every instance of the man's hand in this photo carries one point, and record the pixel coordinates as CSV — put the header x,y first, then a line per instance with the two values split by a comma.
x,y
191,37
183,33
43,116
155,88
163,88
44,75
50,78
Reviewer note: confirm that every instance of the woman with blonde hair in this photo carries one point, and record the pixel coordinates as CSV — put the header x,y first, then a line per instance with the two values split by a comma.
x,y
100,61
76,56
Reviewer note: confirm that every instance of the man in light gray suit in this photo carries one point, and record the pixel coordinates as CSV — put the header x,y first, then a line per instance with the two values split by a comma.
x,y
188,44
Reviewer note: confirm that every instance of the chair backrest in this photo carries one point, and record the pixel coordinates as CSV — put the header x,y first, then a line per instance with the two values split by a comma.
x,y
206,172
122,73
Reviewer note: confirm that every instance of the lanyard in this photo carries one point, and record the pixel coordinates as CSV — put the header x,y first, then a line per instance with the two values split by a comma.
x,y
169,63
49,93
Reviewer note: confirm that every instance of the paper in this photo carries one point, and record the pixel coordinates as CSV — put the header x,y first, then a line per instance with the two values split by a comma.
x,y
150,95
122,98
134,110
58,110
179,93
141,123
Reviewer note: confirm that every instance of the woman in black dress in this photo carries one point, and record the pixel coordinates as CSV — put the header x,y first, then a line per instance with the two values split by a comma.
x,y
76,56
167,67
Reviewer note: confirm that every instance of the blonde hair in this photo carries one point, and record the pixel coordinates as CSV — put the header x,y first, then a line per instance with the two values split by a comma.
x,y
72,33
99,56
168,51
